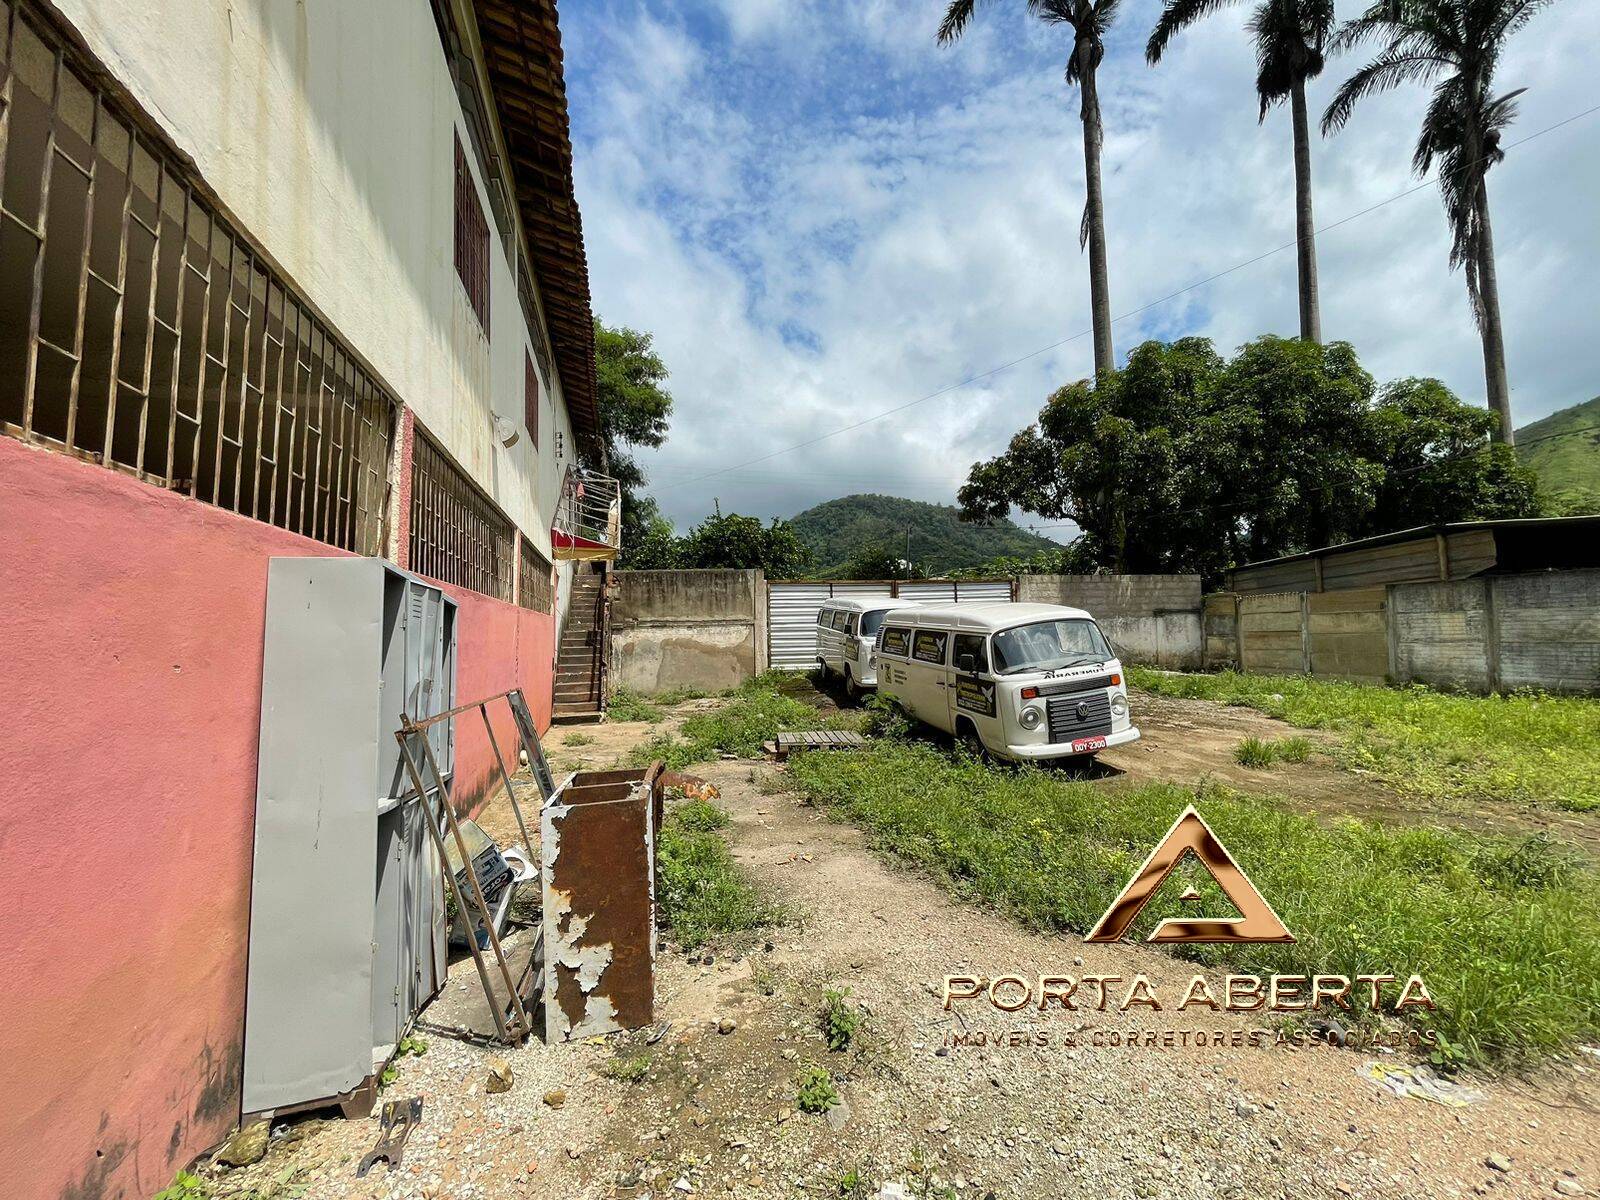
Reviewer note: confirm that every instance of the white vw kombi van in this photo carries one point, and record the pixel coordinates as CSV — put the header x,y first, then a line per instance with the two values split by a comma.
x,y
1028,681
847,629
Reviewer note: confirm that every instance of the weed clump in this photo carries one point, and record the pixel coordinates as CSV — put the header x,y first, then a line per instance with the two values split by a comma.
x,y
840,1022
817,1093
1258,753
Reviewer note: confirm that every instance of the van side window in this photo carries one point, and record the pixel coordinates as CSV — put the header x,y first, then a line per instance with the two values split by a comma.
x,y
896,641
841,619
824,619
929,645
850,624
976,645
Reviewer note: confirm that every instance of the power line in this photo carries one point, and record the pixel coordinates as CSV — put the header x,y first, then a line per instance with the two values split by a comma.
x,y
1209,279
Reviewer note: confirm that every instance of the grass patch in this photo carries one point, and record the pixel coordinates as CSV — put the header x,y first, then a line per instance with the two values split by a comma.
x,y
630,706
755,712
628,1068
1258,753
701,891
1506,933
1524,747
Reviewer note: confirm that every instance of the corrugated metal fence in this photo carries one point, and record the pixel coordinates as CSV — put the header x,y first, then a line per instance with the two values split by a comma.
x,y
792,606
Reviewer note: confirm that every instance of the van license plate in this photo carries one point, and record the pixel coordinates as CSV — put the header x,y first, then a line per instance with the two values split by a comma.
x,y
1088,745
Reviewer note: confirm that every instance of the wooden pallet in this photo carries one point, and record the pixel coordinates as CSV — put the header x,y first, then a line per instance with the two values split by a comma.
x,y
814,739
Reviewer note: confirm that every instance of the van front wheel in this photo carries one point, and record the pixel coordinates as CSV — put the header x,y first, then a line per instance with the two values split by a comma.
x,y
852,689
967,737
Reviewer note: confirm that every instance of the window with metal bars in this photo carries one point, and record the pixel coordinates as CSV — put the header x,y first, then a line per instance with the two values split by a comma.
x,y
530,398
458,535
472,240
140,330
535,588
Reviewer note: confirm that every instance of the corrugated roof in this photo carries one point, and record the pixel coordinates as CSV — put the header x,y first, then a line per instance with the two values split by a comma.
x,y
1574,524
522,50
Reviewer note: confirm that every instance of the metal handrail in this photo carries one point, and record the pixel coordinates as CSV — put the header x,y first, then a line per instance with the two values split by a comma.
x,y
590,508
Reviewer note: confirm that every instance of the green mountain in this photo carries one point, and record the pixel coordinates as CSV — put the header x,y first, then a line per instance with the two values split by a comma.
x,y
1564,450
940,541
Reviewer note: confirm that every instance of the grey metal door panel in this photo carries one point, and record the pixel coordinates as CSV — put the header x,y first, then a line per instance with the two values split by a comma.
x,y
347,916
316,829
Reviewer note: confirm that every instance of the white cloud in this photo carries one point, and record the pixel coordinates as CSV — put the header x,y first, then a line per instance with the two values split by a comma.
x,y
822,215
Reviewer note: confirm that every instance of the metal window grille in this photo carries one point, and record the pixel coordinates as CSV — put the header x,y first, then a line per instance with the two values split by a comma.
x,y
139,330
472,241
530,398
535,589
457,534
530,311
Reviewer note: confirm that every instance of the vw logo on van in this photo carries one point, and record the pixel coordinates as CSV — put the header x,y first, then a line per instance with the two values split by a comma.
x,y
1082,710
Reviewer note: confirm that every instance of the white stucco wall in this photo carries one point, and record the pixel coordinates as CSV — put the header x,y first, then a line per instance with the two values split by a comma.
x,y
327,128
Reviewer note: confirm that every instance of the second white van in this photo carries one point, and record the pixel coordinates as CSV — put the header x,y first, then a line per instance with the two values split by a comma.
x,y
847,630
1026,681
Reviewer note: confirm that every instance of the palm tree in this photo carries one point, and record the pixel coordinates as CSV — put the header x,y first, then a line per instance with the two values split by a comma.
x,y
1290,36
1454,45
1088,20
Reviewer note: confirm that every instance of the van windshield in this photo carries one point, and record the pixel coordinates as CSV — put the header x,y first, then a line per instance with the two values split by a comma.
x,y
871,622
1049,645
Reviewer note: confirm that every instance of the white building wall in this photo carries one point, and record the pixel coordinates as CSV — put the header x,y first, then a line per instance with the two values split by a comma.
x,y
327,128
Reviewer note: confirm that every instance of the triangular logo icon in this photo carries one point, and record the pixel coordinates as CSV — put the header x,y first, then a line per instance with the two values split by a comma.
x,y
1191,835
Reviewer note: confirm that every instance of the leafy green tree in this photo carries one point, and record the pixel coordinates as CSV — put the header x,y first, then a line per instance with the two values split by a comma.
x,y
1184,462
634,407
1290,37
1455,45
730,540
880,561
1442,465
1088,20
654,547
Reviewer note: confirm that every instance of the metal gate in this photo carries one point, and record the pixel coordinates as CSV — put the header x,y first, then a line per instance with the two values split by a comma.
x,y
792,606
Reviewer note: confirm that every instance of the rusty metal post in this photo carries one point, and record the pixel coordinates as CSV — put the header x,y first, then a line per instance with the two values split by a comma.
x,y
598,876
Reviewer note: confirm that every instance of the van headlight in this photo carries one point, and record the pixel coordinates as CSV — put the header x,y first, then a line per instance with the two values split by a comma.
x,y
1031,717
1119,705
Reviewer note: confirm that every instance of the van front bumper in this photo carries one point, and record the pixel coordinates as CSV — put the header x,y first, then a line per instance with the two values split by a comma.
x,y
1043,750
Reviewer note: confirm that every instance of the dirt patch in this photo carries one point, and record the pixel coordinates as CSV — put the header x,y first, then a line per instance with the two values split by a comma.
x,y
684,1105
1187,741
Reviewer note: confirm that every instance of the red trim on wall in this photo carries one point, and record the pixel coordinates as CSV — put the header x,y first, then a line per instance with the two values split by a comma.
x,y
132,668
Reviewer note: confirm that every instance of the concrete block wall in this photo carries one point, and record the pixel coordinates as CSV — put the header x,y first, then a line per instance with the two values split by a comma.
x,y
1491,633
1347,634
1500,632
1153,620
687,629
1440,634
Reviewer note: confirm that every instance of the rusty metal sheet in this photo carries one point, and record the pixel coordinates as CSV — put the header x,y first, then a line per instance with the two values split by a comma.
x,y
599,903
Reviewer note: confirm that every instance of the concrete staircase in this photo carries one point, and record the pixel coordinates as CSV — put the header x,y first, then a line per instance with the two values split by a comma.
x,y
580,658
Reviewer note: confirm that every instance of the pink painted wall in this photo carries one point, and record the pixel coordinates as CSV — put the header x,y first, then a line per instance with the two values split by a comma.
x,y
130,663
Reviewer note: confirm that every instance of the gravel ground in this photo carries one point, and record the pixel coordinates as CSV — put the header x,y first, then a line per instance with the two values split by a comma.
x,y
713,1110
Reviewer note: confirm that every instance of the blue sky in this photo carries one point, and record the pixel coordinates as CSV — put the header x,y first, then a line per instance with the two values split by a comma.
x,y
823,215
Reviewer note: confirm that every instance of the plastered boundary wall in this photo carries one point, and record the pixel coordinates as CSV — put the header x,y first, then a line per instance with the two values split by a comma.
x,y
687,629
1492,633
708,629
1153,620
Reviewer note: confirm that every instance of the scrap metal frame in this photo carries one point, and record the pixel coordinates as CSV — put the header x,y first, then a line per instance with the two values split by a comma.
x,y
511,1019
